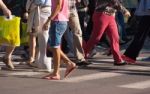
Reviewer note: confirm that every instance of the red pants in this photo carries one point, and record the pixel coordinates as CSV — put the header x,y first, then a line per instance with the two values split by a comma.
x,y
101,23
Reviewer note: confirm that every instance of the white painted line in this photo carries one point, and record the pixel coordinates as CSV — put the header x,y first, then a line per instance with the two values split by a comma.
x,y
140,58
23,73
15,63
138,85
108,59
88,77
139,68
94,63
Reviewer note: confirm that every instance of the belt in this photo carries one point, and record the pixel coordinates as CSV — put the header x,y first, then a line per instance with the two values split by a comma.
x,y
108,13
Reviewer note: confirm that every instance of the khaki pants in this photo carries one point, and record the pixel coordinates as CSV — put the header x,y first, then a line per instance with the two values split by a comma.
x,y
77,35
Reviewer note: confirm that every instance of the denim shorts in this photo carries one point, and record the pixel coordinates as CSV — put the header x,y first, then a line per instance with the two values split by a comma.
x,y
56,32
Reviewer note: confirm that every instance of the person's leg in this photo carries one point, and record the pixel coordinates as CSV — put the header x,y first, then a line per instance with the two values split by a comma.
x,y
70,65
88,30
56,60
56,33
42,41
32,48
69,39
82,20
57,56
112,33
136,45
77,36
100,22
122,25
43,61
7,58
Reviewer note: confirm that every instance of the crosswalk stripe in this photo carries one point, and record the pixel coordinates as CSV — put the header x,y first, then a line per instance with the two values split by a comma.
x,y
103,75
138,85
107,59
139,68
23,73
88,77
2,64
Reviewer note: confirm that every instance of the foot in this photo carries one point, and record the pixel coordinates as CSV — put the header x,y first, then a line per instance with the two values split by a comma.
x,y
8,63
128,59
31,63
120,63
51,77
83,63
69,69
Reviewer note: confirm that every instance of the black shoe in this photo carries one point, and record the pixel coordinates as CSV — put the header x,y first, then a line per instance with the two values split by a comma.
x,y
83,63
120,63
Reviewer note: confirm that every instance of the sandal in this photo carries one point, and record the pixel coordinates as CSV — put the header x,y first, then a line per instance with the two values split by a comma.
x,y
53,78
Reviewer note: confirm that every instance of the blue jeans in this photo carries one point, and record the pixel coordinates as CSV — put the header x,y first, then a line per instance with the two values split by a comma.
x,y
56,32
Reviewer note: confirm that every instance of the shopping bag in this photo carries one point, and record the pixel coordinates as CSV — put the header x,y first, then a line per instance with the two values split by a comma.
x,y
24,35
10,31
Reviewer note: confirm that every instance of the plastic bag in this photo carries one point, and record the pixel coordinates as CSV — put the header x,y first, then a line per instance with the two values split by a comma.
x,y
24,35
10,31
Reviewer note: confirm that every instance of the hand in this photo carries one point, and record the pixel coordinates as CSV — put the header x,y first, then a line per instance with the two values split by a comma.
x,y
25,15
46,25
7,12
127,14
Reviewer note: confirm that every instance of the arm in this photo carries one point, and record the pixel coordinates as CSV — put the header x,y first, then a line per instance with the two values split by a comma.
x,y
6,11
121,8
54,13
56,10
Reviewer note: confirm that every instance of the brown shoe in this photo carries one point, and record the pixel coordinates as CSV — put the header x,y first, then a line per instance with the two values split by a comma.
x,y
8,63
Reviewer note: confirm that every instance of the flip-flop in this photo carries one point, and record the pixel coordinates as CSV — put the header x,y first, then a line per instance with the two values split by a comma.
x,y
46,77
69,71
53,78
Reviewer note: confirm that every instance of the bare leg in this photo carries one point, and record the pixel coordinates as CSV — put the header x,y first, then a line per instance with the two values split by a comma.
x,y
32,48
57,56
8,56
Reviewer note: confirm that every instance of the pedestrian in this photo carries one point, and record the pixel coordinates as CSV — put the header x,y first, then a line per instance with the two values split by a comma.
x,y
38,15
104,20
133,50
58,20
75,27
9,49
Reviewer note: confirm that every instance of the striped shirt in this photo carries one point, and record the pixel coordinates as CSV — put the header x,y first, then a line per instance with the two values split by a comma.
x,y
109,6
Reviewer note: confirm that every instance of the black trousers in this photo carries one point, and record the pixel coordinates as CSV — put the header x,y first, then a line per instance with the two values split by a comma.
x,y
136,45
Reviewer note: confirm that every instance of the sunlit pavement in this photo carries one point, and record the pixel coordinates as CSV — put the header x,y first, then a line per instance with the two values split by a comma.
x,y
101,77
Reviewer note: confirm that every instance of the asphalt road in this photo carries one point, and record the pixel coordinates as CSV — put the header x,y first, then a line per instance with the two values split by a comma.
x,y
101,77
